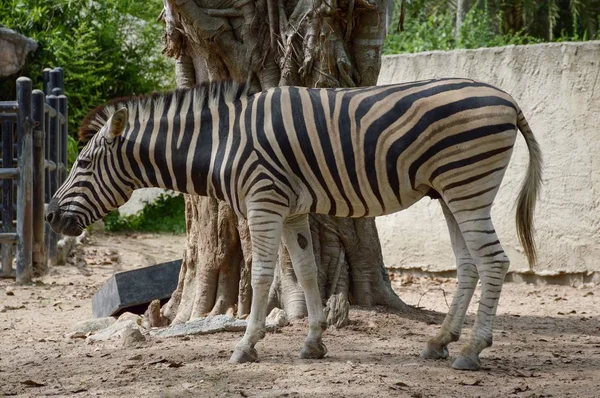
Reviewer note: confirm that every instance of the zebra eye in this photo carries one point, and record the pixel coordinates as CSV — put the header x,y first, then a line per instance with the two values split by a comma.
x,y
84,163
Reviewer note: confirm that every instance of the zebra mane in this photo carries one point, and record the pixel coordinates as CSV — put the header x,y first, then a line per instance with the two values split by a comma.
x,y
203,94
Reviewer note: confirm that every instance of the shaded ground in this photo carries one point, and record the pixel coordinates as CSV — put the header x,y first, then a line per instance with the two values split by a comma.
x,y
547,344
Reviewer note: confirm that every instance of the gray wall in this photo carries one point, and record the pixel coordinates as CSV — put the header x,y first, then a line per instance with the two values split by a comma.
x,y
558,88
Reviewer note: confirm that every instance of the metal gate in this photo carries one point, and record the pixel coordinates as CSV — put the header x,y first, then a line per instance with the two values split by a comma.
x,y
33,141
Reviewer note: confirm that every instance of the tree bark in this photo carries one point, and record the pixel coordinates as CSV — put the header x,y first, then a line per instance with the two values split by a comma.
x,y
268,43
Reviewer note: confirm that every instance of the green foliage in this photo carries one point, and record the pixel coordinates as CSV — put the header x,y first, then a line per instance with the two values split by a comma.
x,y
423,33
108,48
431,24
166,214
72,150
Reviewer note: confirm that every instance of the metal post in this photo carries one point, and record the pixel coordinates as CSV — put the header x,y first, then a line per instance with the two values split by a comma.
x,y
46,79
39,258
47,122
53,133
56,81
64,133
61,81
25,190
7,196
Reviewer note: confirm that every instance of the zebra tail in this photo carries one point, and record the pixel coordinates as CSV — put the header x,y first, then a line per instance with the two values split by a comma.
x,y
529,191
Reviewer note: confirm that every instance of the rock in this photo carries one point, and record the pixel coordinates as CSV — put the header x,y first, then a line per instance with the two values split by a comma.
x,y
96,228
9,292
277,318
208,325
115,330
84,328
152,317
130,337
131,316
13,51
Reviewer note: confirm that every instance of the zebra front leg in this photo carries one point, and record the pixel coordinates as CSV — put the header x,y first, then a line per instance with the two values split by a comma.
x,y
297,239
437,347
265,234
492,265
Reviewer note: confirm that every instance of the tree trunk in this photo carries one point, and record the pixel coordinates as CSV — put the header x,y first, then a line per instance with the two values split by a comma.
x,y
270,43
460,12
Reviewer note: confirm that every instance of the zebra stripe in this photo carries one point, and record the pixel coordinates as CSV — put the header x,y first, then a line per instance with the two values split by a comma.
x,y
277,155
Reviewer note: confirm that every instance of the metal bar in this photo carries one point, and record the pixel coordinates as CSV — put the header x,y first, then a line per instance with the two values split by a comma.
x,y
47,119
61,73
8,237
39,255
46,79
50,166
50,110
7,195
8,116
64,133
8,173
24,193
9,107
56,81
52,155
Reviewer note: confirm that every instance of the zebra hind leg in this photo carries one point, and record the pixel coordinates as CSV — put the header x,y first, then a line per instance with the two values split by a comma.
x,y
492,264
265,234
437,347
297,239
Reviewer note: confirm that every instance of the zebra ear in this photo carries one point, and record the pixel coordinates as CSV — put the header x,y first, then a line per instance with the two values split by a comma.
x,y
116,124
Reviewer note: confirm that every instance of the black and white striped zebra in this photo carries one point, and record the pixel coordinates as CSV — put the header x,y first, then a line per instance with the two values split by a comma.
x,y
277,155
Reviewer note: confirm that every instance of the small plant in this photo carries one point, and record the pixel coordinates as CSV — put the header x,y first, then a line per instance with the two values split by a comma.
x,y
166,214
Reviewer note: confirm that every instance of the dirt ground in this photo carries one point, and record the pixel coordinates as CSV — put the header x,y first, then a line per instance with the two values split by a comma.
x,y
547,344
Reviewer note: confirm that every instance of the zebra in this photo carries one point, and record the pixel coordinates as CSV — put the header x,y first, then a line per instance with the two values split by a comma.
x,y
277,155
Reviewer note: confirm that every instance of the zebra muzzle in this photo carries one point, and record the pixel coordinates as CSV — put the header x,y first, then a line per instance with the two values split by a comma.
x,y
60,222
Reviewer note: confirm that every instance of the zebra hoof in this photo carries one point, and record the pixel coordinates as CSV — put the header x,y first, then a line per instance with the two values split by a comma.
x,y
244,355
313,350
433,351
466,363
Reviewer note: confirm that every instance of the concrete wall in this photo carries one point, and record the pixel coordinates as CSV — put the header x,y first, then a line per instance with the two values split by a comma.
x,y
558,88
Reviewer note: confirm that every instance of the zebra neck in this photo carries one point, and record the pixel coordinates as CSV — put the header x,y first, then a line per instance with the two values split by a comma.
x,y
173,152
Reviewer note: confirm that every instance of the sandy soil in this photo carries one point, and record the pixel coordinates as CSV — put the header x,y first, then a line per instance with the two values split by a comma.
x,y
547,344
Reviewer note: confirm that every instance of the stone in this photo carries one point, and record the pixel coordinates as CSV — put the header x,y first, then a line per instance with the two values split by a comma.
x,y
130,337
114,331
96,228
277,318
14,48
84,328
136,288
131,316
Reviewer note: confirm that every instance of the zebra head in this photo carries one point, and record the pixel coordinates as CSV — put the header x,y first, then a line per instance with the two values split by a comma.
x,y
97,182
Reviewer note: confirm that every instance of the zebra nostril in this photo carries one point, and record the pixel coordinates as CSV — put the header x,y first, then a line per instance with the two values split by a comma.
x,y
50,216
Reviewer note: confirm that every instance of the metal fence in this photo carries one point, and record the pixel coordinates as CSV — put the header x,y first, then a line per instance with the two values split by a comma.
x,y
35,128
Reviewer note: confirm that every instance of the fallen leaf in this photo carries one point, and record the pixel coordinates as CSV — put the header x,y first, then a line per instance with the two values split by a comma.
x,y
31,383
